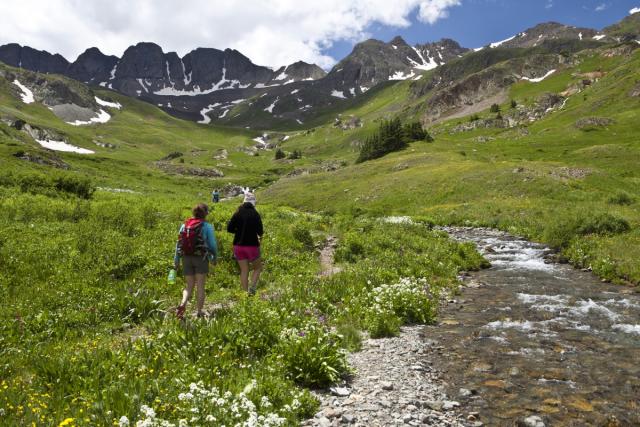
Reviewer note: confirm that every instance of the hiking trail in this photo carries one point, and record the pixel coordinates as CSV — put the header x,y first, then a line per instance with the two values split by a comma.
x,y
394,382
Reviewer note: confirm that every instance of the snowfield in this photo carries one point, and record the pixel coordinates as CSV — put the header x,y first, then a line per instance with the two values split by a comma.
x,y
27,95
539,79
204,113
63,146
104,103
500,43
102,117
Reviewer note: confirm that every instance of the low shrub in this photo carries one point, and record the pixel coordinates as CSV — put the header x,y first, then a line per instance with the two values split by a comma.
x,y
621,198
559,233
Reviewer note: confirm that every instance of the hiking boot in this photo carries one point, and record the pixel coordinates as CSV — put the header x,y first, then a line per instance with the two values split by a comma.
x,y
201,315
252,290
180,312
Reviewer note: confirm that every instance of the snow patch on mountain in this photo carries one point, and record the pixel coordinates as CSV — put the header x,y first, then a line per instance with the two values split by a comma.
x,y
102,117
338,94
204,113
104,103
281,76
27,94
270,107
634,10
426,65
539,79
141,83
500,43
63,146
400,75
262,85
599,37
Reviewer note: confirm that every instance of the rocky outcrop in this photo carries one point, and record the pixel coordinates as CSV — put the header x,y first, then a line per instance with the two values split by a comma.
x,y
92,67
516,117
453,96
298,71
51,160
441,52
593,123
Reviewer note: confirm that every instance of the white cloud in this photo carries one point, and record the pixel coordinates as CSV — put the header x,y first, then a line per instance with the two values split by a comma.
x,y
601,7
549,4
634,10
433,10
270,32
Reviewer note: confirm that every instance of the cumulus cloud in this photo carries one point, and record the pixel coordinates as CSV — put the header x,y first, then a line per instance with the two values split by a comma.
x,y
433,10
270,32
601,7
634,10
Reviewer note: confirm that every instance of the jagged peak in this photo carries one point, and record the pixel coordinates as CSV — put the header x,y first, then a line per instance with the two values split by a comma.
x,y
398,41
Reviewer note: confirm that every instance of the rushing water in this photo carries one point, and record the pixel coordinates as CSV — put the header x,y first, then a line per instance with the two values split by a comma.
x,y
532,337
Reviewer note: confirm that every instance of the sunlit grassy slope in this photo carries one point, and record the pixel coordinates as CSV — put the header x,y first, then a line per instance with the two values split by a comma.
x,y
142,134
537,181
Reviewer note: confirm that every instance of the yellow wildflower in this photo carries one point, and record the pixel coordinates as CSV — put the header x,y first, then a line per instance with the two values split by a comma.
x,y
66,422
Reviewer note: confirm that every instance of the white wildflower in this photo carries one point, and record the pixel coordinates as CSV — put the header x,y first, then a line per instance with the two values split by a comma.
x,y
123,422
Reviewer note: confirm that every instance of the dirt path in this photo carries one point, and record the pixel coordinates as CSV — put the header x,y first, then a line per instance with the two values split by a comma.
x,y
394,382
327,266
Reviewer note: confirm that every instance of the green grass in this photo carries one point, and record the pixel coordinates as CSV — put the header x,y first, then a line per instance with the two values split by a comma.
x,y
87,330
524,183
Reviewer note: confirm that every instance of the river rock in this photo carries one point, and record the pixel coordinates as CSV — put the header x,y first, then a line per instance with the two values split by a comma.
x,y
533,421
411,393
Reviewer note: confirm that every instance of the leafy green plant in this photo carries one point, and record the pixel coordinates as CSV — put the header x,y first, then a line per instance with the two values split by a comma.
x,y
312,356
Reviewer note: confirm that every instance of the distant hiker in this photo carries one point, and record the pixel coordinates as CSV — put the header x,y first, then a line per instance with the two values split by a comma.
x,y
197,246
246,225
215,196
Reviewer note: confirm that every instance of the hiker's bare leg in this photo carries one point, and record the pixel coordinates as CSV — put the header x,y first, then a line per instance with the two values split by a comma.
x,y
257,269
188,289
244,274
200,281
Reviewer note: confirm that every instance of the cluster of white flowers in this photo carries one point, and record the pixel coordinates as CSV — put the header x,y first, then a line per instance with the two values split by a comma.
x,y
408,292
208,406
398,220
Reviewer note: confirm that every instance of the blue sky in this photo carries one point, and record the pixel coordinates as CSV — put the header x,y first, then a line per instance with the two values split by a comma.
x,y
280,32
478,22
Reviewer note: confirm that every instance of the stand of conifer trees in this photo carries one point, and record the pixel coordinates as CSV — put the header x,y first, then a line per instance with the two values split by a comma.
x,y
392,135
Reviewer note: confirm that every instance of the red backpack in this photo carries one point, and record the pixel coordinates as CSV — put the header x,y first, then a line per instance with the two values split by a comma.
x,y
190,241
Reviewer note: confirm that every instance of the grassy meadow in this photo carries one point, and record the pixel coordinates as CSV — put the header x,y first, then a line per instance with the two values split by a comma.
x,y
87,330
88,334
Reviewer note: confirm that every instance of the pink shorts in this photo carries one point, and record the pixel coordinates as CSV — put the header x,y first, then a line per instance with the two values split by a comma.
x,y
250,253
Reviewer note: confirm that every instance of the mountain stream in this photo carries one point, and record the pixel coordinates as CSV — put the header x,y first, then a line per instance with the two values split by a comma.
x,y
529,337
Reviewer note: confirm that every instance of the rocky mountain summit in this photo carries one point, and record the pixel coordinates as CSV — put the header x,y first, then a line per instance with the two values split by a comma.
x,y
208,84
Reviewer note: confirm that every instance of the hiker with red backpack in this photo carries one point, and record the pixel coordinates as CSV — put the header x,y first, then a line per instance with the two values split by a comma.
x,y
196,247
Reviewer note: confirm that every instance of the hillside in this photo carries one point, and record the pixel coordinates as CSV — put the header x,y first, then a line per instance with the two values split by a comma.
x,y
535,176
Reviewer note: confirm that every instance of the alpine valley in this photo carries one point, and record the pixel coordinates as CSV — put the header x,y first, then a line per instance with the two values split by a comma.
x,y
492,194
